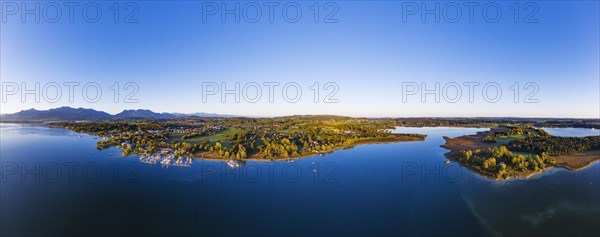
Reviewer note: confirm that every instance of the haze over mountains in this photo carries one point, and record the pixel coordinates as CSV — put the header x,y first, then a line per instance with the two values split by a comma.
x,y
68,113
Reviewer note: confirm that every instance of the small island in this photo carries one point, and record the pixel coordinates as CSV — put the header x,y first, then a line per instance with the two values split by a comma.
x,y
506,152
238,139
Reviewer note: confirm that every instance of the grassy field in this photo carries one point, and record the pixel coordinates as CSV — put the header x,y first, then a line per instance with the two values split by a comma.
x,y
223,137
525,154
506,139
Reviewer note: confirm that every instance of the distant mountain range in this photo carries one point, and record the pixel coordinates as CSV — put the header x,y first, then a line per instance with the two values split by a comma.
x,y
143,113
68,113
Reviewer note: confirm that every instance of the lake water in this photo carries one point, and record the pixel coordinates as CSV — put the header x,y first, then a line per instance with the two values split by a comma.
x,y
573,132
54,182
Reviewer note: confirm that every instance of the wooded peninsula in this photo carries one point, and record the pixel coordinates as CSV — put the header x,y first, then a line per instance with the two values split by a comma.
x,y
520,151
240,138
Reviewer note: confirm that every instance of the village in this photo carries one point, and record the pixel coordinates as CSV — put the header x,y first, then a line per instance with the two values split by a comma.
x,y
177,141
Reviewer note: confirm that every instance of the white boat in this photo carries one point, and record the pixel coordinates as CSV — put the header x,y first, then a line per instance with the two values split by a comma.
x,y
447,162
233,164
167,160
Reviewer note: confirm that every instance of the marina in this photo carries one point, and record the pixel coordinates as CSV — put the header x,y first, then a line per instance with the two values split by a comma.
x,y
166,160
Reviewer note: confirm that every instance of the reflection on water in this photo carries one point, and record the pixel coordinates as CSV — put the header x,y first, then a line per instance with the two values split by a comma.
x,y
55,182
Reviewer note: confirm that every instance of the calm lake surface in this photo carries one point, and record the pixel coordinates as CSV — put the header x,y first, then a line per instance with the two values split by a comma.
x,y
573,132
55,182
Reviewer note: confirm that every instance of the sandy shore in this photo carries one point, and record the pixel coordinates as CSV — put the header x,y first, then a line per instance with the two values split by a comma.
x,y
578,161
471,142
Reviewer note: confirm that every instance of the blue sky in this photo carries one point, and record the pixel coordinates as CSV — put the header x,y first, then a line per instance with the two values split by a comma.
x,y
372,50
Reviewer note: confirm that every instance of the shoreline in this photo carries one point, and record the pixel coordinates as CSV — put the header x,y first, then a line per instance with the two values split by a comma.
x,y
595,158
206,155
520,175
302,156
571,162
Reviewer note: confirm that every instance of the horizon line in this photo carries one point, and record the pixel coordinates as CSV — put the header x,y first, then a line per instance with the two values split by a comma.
x,y
290,115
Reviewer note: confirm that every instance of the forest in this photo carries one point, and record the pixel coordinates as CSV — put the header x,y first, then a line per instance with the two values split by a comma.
x,y
556,146
509,151
515,132
500,162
